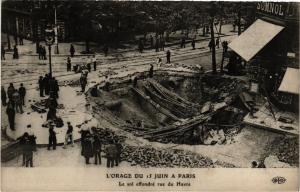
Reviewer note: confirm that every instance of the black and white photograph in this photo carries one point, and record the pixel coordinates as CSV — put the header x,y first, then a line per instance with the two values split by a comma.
x,y
120,85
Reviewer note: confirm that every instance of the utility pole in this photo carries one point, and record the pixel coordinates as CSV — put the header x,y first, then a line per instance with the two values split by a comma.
x,y
212,39
56,31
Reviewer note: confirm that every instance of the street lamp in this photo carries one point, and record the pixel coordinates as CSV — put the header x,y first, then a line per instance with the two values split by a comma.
x,y
49,39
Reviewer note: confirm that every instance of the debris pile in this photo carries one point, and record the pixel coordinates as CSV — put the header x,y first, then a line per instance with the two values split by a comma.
x,y
286,149
151,157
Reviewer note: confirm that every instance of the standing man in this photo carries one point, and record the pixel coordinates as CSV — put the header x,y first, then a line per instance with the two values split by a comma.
x,y
3,96
52,137
83,82
151,71
94,62
41,86
10,111
151,41
27,150
97,148
46,84
10,91
168,56
22,92
217,42
119,151
87,147
183,42
44,53
2,52
16,53
40,52
162,43
72,50
111,154
210,45
69,65
193,43
16,98
69,135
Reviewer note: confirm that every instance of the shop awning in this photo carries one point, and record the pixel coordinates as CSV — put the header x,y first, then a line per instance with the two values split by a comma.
x,y
251,41
291,81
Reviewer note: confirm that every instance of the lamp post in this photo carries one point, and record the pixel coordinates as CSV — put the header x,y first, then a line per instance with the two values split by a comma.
x,y
49,39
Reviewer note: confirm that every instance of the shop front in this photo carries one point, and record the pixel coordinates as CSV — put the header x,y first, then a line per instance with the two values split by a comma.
x,y
270,49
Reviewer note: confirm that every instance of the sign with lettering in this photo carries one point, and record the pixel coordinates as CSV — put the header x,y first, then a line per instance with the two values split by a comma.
x,y
272,8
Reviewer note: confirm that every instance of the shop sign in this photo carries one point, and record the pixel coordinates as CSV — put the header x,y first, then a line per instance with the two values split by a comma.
x,y
272,8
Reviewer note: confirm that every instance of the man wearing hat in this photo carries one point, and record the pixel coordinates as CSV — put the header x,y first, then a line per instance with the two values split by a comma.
x,y
87,148
52,137
27,149
69,135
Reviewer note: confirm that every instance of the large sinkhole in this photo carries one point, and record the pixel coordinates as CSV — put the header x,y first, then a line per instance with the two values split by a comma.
x,y
200,109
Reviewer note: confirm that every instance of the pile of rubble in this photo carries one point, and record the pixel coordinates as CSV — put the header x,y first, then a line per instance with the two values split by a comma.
x,y
151,157
286,149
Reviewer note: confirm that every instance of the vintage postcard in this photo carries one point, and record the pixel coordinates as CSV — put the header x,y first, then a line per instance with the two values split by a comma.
x,y
149,95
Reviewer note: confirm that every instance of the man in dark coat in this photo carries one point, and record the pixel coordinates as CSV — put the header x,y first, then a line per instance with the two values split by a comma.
x,y
44,53
97,149
210,45
83,82
119,148
52,105
3,96
40,52
183,42
10,91
10,111
151,41
46,84
72,50
168,56
52,138
151,71
193,44
41,86
16,53
217,42
69,65
87,148
27,149
111,154
22,92
16,98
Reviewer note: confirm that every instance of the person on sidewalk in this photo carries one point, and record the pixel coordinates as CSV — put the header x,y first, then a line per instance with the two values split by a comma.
x,y
151,42
87,148
69,136
16,53
3,96
94,62
52,138
16,98
22,92
44,53
46,84
69,65
151,71
210,45
10,111
97,148
40,52
10,91
119,148
217,42
193,43
168,56
41,86
83,82
2,52
72,50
